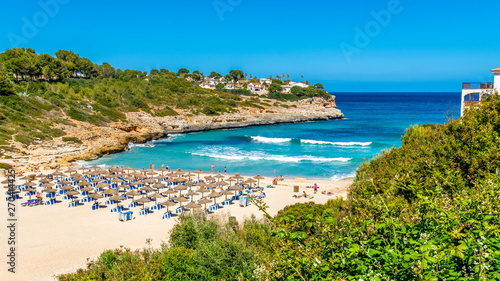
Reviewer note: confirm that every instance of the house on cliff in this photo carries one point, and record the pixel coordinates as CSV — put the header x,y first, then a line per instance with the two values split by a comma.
x,y
474,92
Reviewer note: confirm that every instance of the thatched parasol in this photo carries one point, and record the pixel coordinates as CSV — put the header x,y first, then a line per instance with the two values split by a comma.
x,y
30,189
117,198
181,199
258,178
72,193
227,192
132,194
110,191
192,194
205,201
168,204
214,195
155,196
87,189
143,200
192,205
67,187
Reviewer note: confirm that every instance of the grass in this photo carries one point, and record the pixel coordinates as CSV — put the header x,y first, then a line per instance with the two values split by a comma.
x,y
71,139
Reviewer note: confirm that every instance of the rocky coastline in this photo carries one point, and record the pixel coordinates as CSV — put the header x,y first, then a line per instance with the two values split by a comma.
x,y
84,141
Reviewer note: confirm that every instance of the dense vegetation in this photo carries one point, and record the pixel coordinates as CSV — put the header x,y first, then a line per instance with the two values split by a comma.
x,y
42,90
428,210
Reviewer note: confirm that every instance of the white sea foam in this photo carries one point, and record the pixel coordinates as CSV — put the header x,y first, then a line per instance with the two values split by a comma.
x,y
235,154
148,144
270,140
172,137
351,143
342,176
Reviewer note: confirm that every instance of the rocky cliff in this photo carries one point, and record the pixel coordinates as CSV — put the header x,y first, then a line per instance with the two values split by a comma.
x,y
85,141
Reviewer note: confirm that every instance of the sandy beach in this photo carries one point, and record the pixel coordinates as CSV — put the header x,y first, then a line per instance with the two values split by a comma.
x,y
56,239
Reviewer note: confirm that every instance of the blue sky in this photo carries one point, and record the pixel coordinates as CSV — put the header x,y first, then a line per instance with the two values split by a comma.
x,y
416,45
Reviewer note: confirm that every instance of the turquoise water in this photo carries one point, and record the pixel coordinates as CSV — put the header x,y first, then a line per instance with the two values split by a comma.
x,y
323,150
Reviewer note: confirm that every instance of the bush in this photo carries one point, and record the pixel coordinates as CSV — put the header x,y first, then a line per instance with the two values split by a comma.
x,y
71,139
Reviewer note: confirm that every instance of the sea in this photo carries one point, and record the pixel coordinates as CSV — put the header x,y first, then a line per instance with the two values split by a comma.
x,y
315,150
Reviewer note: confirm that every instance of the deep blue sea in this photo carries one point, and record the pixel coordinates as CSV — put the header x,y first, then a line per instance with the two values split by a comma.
x,y
320,150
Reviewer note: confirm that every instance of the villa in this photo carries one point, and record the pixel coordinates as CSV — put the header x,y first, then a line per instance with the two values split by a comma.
x,y
265,80
474,92
286,88
233,86
256,87
208,86
300,84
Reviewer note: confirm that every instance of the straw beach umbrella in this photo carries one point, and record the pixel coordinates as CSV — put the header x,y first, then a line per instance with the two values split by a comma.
x,y
72,193
181,199
205,201
96,197
199,171
117,198
169,192
180,188
192,194
67,187
48,184
227,192
132,194
49,190
30,190
219,177
143,200
162,170
168,204
155,196
128,169
193,205
258,178
158,185
214,195
30,184
202,190
110,191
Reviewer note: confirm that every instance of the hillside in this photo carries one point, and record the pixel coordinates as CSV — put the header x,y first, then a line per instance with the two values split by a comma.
x,y
66,107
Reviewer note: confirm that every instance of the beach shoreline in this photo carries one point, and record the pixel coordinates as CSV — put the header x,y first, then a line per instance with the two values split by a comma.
x,y
94,142
56,239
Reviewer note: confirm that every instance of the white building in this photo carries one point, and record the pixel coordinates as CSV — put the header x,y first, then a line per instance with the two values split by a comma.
x,y
474,92
300,84
208,86
286,88
265,80
256,87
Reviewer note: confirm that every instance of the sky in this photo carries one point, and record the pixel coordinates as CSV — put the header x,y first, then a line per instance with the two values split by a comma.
x,y
349,46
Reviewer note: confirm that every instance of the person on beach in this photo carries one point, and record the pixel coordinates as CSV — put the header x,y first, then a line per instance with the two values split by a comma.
x,y
315,188
281,178
212,166
225,170
275,181
162,165
304,194
168,168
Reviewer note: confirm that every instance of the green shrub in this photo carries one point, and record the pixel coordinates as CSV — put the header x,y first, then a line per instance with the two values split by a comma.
x,y
166,111
71,139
